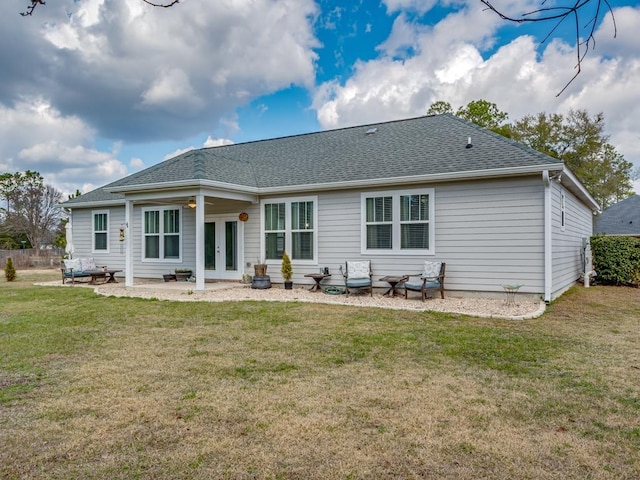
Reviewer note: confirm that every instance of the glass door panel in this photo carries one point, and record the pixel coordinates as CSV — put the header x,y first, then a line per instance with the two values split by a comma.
x,y
222,253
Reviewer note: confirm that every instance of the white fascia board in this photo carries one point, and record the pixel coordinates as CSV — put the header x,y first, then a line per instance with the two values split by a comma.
x,y
436,178
154,191
581,190
96,204
248,193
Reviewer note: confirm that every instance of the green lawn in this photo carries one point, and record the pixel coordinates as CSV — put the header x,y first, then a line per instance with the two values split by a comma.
x,y
97,387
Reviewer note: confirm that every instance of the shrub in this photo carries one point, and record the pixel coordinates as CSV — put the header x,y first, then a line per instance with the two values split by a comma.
x,y
9,270
616,260
286,269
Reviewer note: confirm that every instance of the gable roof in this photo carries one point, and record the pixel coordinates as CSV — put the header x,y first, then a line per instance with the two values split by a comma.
x,y
622,218
432,147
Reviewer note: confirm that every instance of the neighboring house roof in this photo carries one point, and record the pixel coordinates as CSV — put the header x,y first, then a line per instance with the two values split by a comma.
x,y
431,147
622,218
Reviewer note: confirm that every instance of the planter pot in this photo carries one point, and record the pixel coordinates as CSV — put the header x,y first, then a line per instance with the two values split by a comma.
x,y
169,277
288,285
260,269
181,276
261,282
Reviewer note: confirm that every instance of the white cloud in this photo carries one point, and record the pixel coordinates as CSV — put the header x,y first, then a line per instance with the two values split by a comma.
x,y
177,152
137,72
420,6
217,142
136,164
419,65
38,137
172,91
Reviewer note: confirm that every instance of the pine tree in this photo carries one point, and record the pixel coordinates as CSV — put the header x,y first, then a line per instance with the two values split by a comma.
x,y
9,270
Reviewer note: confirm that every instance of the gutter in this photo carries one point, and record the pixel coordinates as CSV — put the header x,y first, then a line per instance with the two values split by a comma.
x,y
366,182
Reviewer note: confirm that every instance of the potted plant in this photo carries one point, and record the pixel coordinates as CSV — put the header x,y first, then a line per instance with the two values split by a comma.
x,y
260,269
183,273
287,271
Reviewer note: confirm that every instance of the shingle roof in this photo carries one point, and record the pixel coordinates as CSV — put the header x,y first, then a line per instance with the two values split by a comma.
x,y
622,218
427,145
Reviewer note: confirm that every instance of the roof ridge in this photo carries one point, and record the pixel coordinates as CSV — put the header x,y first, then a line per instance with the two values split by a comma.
x,y
320,132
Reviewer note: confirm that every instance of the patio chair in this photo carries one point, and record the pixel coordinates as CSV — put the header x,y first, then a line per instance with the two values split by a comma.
x,y
431,278
357,275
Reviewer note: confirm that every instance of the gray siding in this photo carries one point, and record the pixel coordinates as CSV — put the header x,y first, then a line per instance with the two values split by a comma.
x,y
567,243
490,233
82,220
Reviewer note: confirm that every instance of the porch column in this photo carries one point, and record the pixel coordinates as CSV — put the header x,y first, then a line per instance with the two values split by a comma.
x,y
199,242
128,243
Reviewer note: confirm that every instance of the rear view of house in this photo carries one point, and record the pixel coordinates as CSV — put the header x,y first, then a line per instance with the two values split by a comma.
x,y
395,193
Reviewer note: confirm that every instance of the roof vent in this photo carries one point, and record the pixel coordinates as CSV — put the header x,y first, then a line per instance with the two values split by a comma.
x,y
469,144
371,131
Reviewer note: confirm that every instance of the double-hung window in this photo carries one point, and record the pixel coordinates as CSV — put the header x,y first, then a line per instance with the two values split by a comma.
x,y
100,231
290,225
398,222
162,233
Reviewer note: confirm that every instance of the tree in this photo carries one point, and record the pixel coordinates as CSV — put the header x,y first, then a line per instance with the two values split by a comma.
x,y
485,114
439,107
9,270
578,139
32,207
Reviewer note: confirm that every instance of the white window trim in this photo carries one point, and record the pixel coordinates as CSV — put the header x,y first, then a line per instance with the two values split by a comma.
x,y
93,230
288,231
396,250
161,234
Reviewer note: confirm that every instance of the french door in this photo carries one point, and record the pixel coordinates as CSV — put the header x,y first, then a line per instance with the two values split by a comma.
x,y
222,253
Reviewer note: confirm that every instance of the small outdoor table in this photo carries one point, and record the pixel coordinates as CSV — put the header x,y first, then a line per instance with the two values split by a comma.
x,y
511,291
102,273
392,280
318,277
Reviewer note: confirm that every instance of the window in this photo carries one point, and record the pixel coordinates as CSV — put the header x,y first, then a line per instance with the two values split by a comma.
x,y
289,225
161,230
562,210
302,230
399,222
274,227
379,222
100,231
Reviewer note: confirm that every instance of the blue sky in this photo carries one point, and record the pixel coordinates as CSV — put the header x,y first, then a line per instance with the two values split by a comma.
x,y
98,89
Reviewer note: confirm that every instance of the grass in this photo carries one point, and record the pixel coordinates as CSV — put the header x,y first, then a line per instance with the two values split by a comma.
x,y
95,387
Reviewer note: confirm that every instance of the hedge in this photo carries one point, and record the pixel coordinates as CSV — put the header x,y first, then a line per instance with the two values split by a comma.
x,y
616,260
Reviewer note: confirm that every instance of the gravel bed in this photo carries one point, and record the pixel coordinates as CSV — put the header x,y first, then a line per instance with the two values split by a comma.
x,y
223,292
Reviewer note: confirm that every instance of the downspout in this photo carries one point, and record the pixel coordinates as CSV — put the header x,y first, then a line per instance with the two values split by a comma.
x,y
128,244
548,238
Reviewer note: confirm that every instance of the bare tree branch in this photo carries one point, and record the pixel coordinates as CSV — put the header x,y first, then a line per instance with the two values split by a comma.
x,y
557,15
30,8
161,5
35,3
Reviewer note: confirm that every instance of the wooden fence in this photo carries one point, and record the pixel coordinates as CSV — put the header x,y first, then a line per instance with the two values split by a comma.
x,y
31,258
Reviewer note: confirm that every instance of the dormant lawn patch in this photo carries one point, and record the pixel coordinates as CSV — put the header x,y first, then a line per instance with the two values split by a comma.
x,y
95,387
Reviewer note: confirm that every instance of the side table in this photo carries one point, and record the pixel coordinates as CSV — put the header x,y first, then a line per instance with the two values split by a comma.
x,y
392,280
318,277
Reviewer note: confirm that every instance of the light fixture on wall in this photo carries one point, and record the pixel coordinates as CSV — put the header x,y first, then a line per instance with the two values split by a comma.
x,y
192,203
